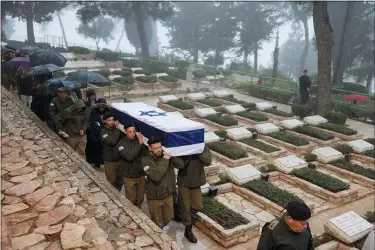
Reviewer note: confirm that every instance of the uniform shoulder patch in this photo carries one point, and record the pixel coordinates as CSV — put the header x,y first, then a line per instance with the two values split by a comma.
x,y
120,148
52,104
273,224
146,168
105,135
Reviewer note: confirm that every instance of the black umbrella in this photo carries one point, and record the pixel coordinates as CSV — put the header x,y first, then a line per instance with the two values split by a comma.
x,y
27,50
43,69
89,77
43,56
50,86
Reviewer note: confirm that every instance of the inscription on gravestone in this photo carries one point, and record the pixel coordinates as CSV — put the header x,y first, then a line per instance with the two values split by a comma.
x,y
351,223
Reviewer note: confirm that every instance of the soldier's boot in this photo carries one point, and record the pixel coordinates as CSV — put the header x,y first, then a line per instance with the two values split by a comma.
x,y
177,216
189,234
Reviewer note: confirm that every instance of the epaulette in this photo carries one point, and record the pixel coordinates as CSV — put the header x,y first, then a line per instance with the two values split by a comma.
x,y
273,224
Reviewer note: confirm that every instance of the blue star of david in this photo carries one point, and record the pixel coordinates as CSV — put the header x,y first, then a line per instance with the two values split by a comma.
x,y
152,113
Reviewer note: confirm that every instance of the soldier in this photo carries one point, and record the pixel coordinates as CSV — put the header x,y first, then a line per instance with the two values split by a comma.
x,y
290,232
110,136
189,180
131,151
159,169
57,105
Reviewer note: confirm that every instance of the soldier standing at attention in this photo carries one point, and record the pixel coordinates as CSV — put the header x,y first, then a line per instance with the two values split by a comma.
x,y
189,181
161,180
131,150
291,232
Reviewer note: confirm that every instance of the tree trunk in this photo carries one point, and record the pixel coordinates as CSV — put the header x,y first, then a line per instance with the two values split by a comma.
x,y
306,48
119,40
324,43
245,56
62,28
195,55
275,59
338,74
97,45
30,28
256,57
141,28
370,78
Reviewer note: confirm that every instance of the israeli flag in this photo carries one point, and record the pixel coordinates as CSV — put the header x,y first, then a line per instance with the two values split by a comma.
x,y
180,136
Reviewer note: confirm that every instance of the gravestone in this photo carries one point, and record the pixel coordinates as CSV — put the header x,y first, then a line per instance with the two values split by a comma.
x,y
360,146
291,123
134,69
266,128
349,227
289,163
167,98
205,82
220,93
238,133
243,174
314,120
205,112
233,109
210,137
175,113
136,75
327,154
196,96
160,74
172,68
263,105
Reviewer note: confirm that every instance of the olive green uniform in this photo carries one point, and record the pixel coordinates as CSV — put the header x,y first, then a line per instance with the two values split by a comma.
x,y
131,154
277,235
160,183
190,178
55,108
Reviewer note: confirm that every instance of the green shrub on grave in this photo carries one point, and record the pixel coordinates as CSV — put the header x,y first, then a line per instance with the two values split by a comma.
x,y
222,134
122,72
249,106
289,138
252,130
259,145
232,99
125,80
270,191
180,104
227,149
226,72
355,87
336,117
355,168
221,110
210,102
302,110
341,129
108,56
370,140
199,74
147,79
278,112
344,149
314,132
131,63
310,157
168,78
222,120
369,153
253,116
320,179
221,214
104,72
141,71
268,168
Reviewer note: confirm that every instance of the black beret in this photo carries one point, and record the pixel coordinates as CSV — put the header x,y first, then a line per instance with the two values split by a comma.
x,y
298,211
153,140
108,115
129,125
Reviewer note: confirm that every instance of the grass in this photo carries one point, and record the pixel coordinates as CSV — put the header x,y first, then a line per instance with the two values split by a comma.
x,y
232,99
222,120
344,149
370,140
341,129
289,138
268,168
310,157
314,132
369,153
253,116
278,112
259,145
180,104
229,150
210,102
355,168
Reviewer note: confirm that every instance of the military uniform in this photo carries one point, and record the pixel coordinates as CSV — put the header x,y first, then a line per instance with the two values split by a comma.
x,y
110,138
161,181
131,154
55,108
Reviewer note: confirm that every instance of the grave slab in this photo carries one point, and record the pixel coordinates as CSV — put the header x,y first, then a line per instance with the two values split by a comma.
x,y
263,105
167,98
136,75
233,109
238,133
291,123
175,113
205,82
266,128
211,137
84,64
327,154
212,78
134,69
360,146
172,68
205,112
349,227
243,174
113,77
160,74
289,163
314,120
220,93
196,96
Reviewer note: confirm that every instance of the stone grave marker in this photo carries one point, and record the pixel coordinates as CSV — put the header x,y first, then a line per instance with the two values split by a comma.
x,y
238,133
289,163
134,69
263,105
175,113
205,112
205,82
220,93
210,137
360,146
243,174
233,109
212,78
172,68
314,120
136,75
167,98
266,128
160,74
349,227
327,154
113,77
291,123
196,96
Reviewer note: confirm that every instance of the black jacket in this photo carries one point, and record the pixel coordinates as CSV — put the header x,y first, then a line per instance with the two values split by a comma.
x,y
26,84
304,82
94,146
38,105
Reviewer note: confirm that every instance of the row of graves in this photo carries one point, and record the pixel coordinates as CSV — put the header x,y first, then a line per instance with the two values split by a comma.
x,y
264,158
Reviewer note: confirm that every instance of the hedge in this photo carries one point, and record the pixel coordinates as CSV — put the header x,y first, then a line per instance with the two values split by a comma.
x,y
168,78
336,117
109,56
270,191
278,112
289,138
370,140
253,116
269,93
369,153
260,145
180,104
354,111
249,106
210,102
222,120
104,72
226,72
179,73
229,150
337,128
344,149
79,50
224,216
302,110
222,134
310,157
199,74
141,71
221,110
320,179
156,66
355,168
132,63
355,87
268,168
211,71
146,79
232,99
314,132
122,72
252,130
124,80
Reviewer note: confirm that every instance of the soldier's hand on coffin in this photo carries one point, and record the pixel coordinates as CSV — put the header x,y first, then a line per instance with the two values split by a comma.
x,y
140,137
